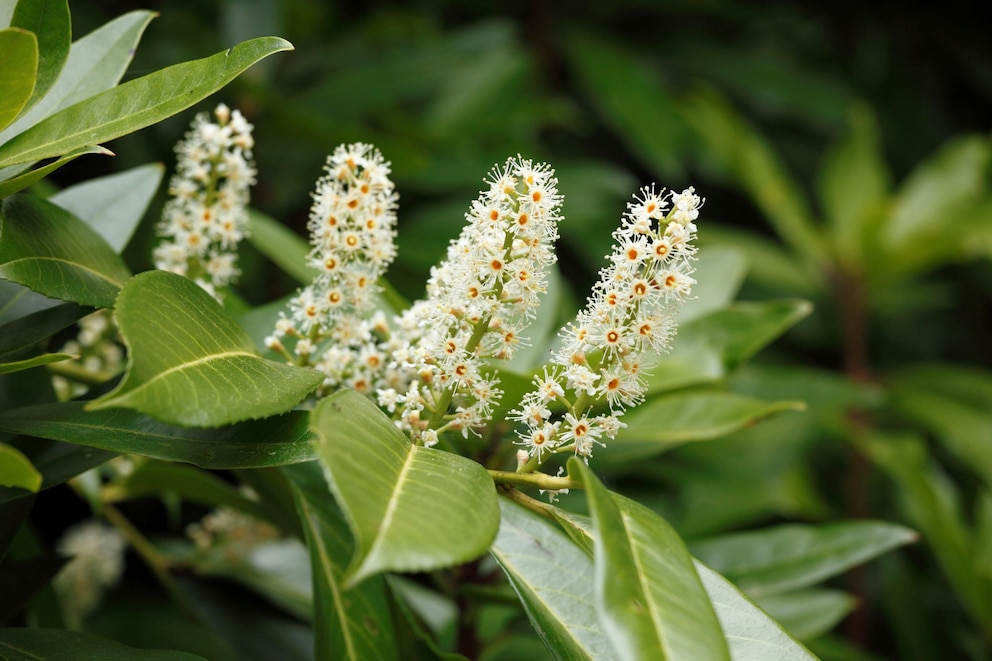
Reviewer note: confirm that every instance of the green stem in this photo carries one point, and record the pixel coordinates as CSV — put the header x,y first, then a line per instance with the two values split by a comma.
x,y
538,480
444,401
80,374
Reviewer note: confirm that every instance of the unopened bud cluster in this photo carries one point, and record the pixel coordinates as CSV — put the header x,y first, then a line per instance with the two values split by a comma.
x,y
628,321
352,226
207,215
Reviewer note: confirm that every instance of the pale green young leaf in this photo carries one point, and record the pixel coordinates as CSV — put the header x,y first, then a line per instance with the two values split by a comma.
x,y
274,441
135,104
853,186
651,602
20,182
19,60
57,462
807,614
750,160
114,204
46,248
38,644
28,363
668,421
190,364
349,624
550,575
410,508
790,556
49,21
16,470
96,62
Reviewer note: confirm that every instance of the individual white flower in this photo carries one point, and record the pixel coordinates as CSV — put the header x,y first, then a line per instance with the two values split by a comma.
x,y
628,320
207,215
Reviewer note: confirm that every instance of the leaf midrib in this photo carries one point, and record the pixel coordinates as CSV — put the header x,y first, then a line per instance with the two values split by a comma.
x,y
641,577
189,365
387,515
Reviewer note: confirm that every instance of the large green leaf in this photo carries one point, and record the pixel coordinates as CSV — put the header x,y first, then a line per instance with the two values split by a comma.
x,y
651,602
410,508
96,62
20,182
750,160
19,57
190,364
135,104
113,205
751,635
789,557
52,644
274,441
54,253
355,624
49,21
550,575
707,349
671,420
16,470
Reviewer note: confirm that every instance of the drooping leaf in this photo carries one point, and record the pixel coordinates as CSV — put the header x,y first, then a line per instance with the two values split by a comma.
x,y
16,470
651,602
28,363
20,182
96,62
49,21
707,349
550,575
789,557
273,441
671,420
751,635
631,99
135,104
113,205
410,508
351,624
280,244
19,49
46,248
807,614
190,364
51,644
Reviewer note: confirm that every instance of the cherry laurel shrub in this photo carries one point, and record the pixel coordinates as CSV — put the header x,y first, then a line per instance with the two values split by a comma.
x,y
390,478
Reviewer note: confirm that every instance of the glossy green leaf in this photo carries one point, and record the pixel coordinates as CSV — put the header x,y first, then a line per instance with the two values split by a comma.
x,y
751,635
153,478
52,644
187,358
274,441
16,470
651,602
853,185
96,62
352,624
20,182
671,420
807,614
284,247
49,21
410,508
28,363
550,575
789,557
631,99
135,104
932,503
707,349
19,57
113,205
54,253
750,160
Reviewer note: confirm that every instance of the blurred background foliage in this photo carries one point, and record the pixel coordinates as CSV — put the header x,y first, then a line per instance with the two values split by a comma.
x,y
843,151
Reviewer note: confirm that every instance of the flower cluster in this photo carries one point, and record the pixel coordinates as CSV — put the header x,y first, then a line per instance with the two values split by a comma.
x,y
629,319
479,299
96,564
352,227
207,214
